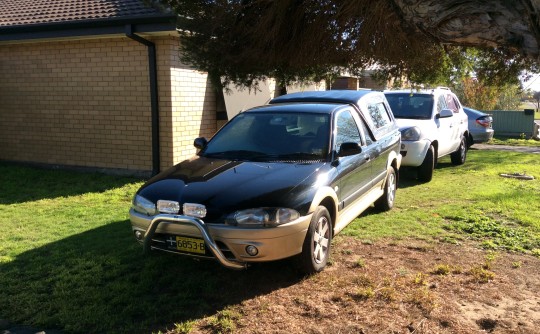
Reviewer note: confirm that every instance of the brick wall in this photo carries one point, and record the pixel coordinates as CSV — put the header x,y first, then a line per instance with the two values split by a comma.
x,y
187,103
87,103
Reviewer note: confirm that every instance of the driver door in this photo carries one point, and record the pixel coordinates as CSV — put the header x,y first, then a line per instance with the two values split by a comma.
x,y
355,170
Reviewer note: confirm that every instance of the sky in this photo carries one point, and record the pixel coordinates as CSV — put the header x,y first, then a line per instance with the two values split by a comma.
x,y
533,84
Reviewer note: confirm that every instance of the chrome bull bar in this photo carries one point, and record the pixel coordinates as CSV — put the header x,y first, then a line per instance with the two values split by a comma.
x,y
199,224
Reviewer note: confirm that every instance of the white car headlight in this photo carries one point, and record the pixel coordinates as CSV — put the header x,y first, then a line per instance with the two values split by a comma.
x,y
260,217
142,205
411,134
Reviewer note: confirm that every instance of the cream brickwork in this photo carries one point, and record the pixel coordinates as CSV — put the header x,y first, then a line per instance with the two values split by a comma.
x,y
87,103
188,104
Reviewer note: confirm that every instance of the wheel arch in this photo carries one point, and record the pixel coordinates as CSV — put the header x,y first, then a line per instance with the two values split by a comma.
x,y
331,206
394,161
326,197
435,145
470,140
396,164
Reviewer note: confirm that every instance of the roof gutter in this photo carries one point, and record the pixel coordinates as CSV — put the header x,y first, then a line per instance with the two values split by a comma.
x,y
82,28
152,66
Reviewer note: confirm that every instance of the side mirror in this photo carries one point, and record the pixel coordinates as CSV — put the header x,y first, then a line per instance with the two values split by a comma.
x,y
200,143
348,149
445,113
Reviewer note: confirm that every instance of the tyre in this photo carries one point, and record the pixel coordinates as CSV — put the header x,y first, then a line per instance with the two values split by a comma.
x,y
386,201
316,248
470,141
425,170
460,155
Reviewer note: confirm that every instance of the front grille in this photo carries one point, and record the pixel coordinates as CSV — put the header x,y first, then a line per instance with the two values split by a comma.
x,y
226,251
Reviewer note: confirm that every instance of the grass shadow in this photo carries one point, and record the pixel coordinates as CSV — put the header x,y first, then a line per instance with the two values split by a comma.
x,y
477,160
23,184
100,282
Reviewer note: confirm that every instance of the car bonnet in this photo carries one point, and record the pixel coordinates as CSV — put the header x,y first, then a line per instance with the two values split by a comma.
x,y
225,186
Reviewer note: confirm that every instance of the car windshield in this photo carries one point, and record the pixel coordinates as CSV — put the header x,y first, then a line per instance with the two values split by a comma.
x,y
410,105
259,136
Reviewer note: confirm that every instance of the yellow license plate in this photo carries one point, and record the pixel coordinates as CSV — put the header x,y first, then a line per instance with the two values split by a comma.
x,y
190,245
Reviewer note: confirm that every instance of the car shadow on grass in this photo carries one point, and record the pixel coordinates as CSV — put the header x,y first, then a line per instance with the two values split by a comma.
x,y
21,183
408,176
100,282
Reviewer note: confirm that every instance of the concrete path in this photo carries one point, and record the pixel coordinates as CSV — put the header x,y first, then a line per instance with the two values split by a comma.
x,y
523,149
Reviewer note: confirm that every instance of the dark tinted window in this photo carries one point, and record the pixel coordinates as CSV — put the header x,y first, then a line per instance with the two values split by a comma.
x,y
288,135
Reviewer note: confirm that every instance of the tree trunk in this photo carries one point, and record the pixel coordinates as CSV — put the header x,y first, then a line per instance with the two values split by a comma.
x,y
500,23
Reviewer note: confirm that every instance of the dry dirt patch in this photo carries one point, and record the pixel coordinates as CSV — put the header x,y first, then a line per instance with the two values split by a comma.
x,y
401,288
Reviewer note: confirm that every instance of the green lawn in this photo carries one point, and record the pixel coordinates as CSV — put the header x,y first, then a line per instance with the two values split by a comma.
x,y
514,141
68,259
466,202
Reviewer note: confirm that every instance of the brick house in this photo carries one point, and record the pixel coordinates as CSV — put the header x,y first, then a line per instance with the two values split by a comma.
x,y
98,84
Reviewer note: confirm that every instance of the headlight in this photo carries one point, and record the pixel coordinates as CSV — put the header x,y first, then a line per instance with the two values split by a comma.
x,y
142,205
194,210
263,217
171,207
411,134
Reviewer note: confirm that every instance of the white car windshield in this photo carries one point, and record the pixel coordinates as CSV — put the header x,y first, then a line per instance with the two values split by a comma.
x,y
410,105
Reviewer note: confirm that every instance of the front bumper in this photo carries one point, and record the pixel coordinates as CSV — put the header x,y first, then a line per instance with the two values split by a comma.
x,y
225,243
414,152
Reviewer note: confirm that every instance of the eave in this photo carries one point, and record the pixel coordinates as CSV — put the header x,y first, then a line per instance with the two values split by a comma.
x,y
87,28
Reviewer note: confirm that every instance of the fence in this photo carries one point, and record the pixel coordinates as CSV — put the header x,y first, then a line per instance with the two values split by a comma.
x,y
513,123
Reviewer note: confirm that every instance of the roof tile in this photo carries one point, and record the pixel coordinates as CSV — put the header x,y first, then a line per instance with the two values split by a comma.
x,y
30,12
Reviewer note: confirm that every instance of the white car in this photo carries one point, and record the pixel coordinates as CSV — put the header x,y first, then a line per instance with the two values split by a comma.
x,y
432,124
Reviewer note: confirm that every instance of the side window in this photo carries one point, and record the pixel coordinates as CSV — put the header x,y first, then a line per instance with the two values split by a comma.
x,y
365,130
441,104
451,103
457,103
378,114
346,129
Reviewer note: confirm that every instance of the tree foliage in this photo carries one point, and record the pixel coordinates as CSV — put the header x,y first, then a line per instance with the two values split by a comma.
x,y
244,41
476,94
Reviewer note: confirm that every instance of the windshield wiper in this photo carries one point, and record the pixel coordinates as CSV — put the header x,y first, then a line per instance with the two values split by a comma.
x,y
295,156
261,156
235,154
